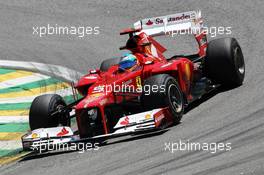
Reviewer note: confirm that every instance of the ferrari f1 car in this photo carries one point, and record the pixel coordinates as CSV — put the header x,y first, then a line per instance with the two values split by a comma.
x,y
141,91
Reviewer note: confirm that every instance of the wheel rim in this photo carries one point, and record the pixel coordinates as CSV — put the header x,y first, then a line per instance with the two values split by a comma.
x,y
61,119
175,98
239,60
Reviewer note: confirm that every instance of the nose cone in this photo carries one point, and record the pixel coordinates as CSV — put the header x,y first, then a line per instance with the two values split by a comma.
x,y
99,94
93,100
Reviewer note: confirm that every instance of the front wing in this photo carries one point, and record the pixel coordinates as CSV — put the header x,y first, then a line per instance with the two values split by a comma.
x,y
131,124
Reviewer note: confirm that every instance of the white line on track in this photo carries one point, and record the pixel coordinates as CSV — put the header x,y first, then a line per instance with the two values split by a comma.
x,y
18,119
22,80
10,144
59,72
13,119
62,92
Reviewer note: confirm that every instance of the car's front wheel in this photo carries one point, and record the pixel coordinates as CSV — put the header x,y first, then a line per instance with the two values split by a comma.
x,y
41,110
161,91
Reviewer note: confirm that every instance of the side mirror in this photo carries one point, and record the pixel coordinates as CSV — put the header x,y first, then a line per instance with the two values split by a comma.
x,y
94,71
148,62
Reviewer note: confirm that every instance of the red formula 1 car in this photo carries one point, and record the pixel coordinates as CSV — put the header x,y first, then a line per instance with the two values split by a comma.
x,y
142,90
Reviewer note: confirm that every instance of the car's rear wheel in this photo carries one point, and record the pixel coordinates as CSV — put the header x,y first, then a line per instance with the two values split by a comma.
x,y
224,62
41,109
167,93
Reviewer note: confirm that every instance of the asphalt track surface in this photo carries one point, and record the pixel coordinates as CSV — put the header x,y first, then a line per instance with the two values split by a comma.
x,y
234,116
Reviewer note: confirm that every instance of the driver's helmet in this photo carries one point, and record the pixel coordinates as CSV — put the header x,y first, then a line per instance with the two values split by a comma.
x,y
128,60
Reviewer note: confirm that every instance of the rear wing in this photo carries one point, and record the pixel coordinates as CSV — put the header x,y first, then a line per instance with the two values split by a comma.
x,y
164,25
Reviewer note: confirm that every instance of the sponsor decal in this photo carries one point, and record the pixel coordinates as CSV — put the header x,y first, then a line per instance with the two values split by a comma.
x,y
179,18
98,89
170,19
149,23
159,118
91,77
63,132
34,135
125,121
159,21
147,116
97,94
187,71
138,82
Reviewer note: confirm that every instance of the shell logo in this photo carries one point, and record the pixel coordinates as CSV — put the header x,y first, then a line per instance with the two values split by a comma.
x,y
125,121
34,135
147,116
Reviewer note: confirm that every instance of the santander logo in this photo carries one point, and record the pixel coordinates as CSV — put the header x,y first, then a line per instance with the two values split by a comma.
x,y
63,132
125,121
149,22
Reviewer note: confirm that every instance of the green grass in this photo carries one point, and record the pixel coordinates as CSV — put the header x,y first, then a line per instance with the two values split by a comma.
x,y
9,152
14,127
6,71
